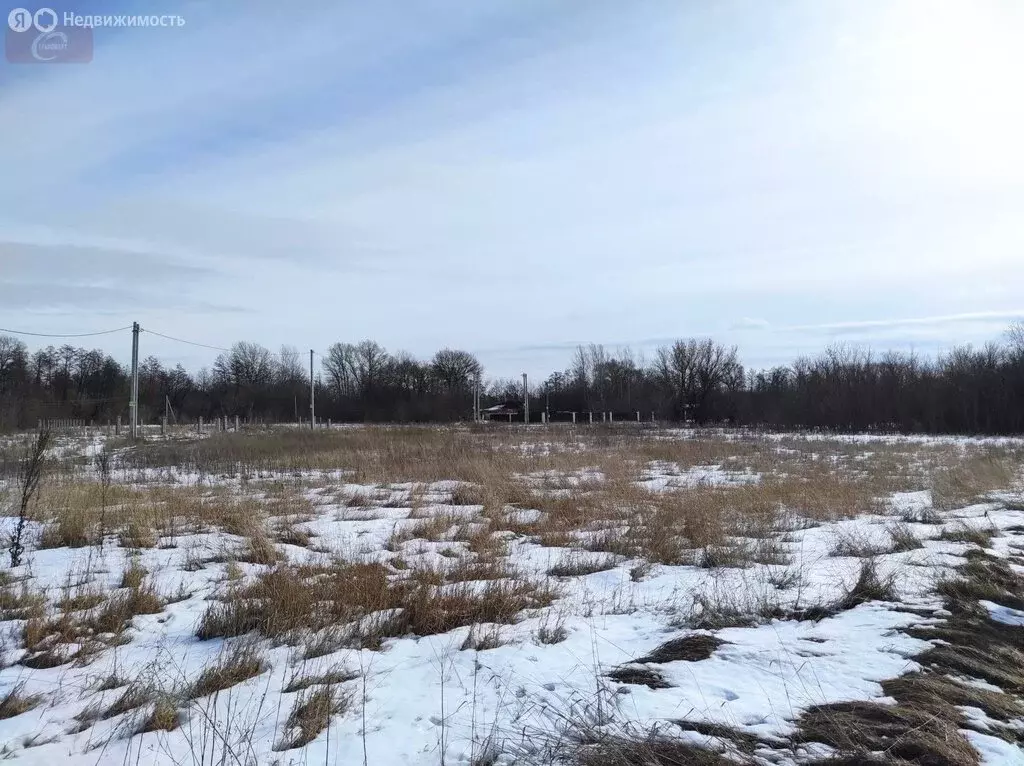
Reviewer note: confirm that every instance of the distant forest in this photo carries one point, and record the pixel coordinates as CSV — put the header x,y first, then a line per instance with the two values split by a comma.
x,y
968,390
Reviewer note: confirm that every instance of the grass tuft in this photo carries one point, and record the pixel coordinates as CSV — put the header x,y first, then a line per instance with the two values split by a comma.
x,y
16,702
239,663
312,714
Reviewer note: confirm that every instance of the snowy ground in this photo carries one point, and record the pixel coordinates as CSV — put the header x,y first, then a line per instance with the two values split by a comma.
x,y
501,693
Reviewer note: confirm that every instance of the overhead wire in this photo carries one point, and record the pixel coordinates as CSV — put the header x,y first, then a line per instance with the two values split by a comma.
x,y
64,335
182,340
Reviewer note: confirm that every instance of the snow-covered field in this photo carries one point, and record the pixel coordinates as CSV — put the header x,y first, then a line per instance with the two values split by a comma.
x,y
430,596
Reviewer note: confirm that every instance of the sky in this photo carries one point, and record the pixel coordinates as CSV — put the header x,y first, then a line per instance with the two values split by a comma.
x,y
516,177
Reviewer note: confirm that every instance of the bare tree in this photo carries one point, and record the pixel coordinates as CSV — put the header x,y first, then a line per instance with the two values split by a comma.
x,y
246,364
369,359
338,365
695,371
29,475
455,370
1016,337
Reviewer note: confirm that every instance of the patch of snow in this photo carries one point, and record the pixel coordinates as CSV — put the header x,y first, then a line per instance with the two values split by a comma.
x,y
1004,614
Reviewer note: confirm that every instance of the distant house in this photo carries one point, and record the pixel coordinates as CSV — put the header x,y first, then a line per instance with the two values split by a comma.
x,y
508,410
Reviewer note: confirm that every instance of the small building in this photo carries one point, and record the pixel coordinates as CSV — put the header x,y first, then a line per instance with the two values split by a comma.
x,y
509,410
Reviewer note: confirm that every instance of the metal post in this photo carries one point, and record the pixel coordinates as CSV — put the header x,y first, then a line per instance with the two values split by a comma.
x,y
134,406
199,425
312,394
236,424
526,401
163,426
574,418
591,416
117,428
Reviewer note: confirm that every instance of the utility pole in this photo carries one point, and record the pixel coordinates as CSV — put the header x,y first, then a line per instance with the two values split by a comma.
x,y
133,406
312,393
526,401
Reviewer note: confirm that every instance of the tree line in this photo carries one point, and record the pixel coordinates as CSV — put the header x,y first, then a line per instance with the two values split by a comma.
x,y
967,390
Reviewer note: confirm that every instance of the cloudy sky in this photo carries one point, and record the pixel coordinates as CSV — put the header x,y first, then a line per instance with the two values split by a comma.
x,y
514,177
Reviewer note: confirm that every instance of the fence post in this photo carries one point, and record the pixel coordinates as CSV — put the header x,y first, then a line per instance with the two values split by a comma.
x,y
163,426
590,415
574,418
236,424
117,428
611,417
199,425
328,424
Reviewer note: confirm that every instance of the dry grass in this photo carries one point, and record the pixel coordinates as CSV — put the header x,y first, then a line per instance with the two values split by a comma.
x,y
481,638
903,538
16,702
970,478
302,681
639,676
925,725
260,549
134,575
311,714
576,565
114,615
238,663
968,533
79,634
20,602
690,648
857,545
932,691
162,717
982,578
366,598
858,729
654,749
134,697
869,586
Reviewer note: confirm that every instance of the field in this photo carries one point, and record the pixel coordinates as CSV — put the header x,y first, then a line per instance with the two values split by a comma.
x,y
603,595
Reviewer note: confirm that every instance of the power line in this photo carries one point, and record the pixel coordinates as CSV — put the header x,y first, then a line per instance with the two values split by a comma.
x,y
72,335
182,340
